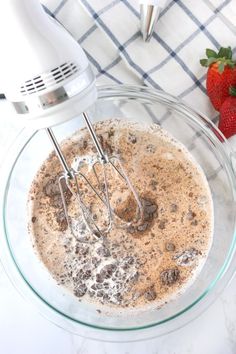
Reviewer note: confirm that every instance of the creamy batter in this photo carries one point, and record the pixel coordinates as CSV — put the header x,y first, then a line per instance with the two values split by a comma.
x,y
146,263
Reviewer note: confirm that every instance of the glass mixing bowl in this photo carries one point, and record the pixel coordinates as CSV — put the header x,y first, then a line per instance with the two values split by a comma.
x,y
210,150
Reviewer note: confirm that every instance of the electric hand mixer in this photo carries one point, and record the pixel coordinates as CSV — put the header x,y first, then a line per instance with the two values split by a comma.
x,y
47,78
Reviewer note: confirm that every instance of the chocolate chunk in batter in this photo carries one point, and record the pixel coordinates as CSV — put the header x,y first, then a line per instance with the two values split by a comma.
x,y
81,249
61,220
150,148
153,184
169,246
126,209
103,251
107,271
186,257
162,224
105,145
51,190
33,219
150,294
190,215
170,276
80,290
132,138
173,208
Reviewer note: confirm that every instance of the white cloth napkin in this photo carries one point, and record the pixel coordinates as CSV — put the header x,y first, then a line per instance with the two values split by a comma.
x,y
109,32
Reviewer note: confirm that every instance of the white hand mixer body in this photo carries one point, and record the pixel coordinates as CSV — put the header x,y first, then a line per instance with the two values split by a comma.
x,y
44,72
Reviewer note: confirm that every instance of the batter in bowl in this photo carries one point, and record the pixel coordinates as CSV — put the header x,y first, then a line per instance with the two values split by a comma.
x,y
146,264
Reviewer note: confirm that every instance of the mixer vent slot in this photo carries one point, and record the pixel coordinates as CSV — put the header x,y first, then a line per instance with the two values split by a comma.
x,y
50,78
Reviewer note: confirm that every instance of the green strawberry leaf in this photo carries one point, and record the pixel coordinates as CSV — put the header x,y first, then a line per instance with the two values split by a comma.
x,y
230,64
221,67
208,62
204,62
230,53
225,53
211,53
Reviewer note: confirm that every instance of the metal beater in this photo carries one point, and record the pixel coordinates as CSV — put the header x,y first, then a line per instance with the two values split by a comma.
x,y
101,192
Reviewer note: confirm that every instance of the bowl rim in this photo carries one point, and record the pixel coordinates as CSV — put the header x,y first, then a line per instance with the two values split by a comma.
x,y
26,135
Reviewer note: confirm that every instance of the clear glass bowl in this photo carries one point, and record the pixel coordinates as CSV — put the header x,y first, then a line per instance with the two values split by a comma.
x,y
30,277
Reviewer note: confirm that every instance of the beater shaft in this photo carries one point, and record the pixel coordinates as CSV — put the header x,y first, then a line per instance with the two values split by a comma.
x,y
94,138
59,152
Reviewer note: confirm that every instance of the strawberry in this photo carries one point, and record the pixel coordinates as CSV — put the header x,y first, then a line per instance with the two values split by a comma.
x,y
221,74
227,123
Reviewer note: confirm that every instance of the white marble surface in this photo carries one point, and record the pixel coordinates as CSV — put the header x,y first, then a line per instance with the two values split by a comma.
x,y
24,331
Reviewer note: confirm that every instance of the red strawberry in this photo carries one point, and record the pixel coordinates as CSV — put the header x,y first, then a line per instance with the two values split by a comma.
x,y
227,123
220,75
